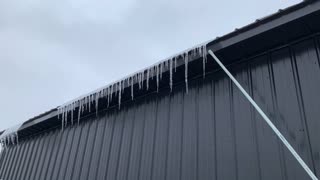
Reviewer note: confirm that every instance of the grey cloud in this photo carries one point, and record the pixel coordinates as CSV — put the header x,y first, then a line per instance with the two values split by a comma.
x,y
53,51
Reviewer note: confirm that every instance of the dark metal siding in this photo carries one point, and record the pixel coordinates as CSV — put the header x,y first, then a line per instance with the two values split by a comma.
x,y
210,133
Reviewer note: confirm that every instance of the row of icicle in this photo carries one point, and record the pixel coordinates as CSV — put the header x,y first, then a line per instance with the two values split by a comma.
x,y
155,71
9,139
10,136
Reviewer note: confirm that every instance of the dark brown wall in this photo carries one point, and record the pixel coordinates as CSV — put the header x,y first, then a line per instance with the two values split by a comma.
x,y
210,133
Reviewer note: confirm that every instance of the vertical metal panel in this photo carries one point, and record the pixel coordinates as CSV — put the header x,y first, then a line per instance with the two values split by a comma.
x,y
175,135
73,152
137,141
4,157
210,133
88,150
206,153
36,162
9,162
244,130
43,155
20,160
66,155
115,147
225,146
48,156
106,147
53,157
75,174
148,140
288,107
189,135
96,152
66,133
161,138
24,159
269,150
307,63
125,146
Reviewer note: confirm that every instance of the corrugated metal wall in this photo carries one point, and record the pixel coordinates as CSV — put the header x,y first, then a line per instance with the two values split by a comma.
x,y
210,133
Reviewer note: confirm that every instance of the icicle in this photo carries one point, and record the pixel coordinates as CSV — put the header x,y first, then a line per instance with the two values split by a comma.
x,y
161,66
83,105
66,116
97,102
10,136
72,108
108,96
142,79
204,67
79,111
204,55
17,137
59,112
116,88
175,64
90,101
170,62
111,93
62,120
186,70
139,81
157,74
119,95
204,59
103,93
132,87
148,74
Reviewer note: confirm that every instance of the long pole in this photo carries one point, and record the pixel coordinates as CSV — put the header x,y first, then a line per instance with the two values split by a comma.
x,y
267,120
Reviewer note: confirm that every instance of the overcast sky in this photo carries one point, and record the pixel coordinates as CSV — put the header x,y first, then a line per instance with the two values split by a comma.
x,y
52,51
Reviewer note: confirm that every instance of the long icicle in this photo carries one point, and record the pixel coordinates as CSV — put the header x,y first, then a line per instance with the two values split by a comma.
x,y
97,102
186,60
157,68
148,75
170,64
203,64
132,88
161,69
175,64
142,79
266,118
72,108
79,111
119,95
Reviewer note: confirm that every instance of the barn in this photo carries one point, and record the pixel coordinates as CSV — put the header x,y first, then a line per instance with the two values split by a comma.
x,y
183,118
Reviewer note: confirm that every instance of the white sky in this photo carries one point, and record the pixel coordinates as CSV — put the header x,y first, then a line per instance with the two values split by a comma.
x,y
56,50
